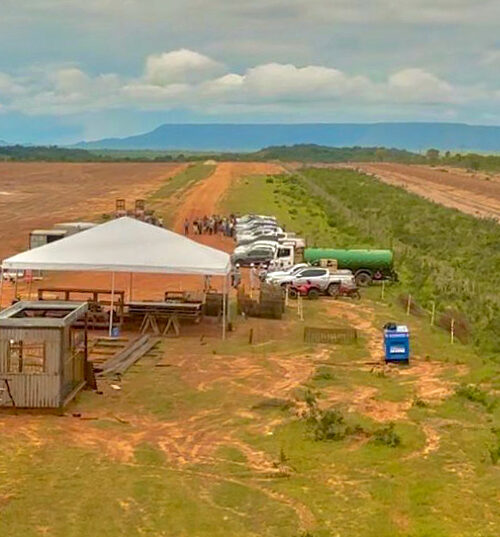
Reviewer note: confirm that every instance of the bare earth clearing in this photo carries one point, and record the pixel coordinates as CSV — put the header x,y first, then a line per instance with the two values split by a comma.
x,y
206,412
39,195
476,194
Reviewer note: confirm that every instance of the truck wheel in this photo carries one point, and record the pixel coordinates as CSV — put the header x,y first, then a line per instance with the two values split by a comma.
x,y
333,289
363,279
313,294
292,293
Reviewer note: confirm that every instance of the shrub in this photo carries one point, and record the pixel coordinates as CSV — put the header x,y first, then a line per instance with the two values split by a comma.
x,y
495,450
420,403
323,373
387,436
330,425
475,394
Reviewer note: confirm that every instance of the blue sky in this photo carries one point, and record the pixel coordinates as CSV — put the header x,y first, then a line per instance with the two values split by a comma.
x,y
72,70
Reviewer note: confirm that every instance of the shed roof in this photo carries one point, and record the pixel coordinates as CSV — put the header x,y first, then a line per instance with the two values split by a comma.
x,y
12,317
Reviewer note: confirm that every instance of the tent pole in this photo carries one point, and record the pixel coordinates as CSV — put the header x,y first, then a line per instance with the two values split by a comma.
x,y
112,304
1,286
15,286
224,307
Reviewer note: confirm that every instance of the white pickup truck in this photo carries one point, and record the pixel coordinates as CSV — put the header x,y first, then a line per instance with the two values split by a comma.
x,y
326,280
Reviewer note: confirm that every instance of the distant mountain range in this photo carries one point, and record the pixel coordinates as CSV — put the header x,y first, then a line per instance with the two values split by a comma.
x,y
251,137
3,143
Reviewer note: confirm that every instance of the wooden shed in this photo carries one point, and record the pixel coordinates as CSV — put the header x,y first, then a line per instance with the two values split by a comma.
x,y
43,353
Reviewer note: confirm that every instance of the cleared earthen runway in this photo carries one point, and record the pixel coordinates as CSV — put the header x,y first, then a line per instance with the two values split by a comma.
x,y
475,194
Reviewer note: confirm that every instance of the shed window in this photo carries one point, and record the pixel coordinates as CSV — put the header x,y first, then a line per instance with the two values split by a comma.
x,y
26,357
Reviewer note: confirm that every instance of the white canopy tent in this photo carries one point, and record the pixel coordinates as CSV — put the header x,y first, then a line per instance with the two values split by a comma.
x,y
126,245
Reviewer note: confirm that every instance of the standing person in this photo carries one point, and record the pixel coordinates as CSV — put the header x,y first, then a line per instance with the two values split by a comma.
x,y
236,276
195,226
186,227
253,276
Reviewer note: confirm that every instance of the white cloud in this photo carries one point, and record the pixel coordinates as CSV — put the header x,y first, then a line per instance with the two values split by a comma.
x,y
491,57
189,80
417,85
180,66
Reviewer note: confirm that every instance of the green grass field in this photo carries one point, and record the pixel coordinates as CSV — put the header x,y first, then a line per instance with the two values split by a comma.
x,y
218,439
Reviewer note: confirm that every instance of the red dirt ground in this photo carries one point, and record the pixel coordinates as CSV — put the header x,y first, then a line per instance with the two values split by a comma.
x,y
39,195
202,199
476,194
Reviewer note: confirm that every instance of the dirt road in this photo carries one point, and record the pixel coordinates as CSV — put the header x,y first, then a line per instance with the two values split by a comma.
x,y
476,194
39,195
204,198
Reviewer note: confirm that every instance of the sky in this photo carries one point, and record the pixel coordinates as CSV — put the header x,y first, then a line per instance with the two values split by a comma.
x,y
87,69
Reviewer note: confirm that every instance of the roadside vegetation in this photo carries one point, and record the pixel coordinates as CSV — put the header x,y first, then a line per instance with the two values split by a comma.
x,y
444,257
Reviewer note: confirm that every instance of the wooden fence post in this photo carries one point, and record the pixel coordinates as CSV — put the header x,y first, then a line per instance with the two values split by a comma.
x,y
452,331
382,295
433,312
408,305
300,309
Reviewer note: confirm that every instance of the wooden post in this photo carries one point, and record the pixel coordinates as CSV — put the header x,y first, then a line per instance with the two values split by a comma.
x,y
112,304
300,309
224,307
382,295
29,287
250,336
130,287
1,286
433,312
408,305
286,295
452,331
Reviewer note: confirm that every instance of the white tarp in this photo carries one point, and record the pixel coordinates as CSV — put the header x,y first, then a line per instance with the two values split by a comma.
x,y
125,245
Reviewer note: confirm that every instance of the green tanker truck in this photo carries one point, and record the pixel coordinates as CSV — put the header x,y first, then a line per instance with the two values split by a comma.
x,y
366,265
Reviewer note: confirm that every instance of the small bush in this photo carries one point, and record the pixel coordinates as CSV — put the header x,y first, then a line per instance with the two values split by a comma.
x,y
419,403
495,450
330,425
323,373
269,180
475,394
387,436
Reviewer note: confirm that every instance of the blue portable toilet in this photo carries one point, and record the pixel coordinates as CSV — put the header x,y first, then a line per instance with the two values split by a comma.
x,y
396,343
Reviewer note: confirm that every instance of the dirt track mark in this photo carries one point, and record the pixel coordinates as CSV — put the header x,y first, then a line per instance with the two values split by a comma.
x,y
453,188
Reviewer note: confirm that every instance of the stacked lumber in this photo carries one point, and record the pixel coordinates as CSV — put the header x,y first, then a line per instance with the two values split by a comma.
x,y
125,358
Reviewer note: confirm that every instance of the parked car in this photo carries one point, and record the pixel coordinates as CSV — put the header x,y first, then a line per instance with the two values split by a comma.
x,y
248,236
254,224
247,218
273,275
258,255
326,281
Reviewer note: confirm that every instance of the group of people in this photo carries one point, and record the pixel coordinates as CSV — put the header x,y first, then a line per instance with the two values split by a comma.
x,y
211,225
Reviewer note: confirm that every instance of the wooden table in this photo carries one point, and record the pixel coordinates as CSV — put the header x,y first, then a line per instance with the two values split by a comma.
x,y
171,312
